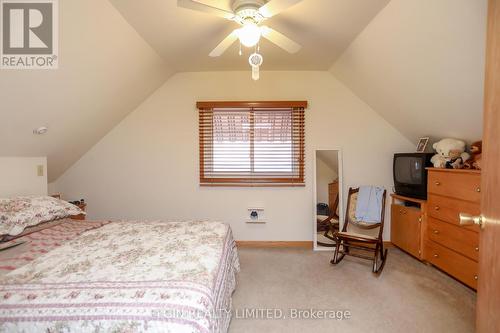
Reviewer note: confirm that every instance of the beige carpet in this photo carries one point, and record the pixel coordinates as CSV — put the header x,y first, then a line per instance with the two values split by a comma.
x,y
407,297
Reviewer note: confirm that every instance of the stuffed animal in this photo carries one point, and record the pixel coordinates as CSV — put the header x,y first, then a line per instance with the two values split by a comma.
x,y
450,154
475,161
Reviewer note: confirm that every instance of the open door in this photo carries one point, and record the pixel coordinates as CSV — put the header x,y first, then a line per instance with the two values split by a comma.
x,y
488,299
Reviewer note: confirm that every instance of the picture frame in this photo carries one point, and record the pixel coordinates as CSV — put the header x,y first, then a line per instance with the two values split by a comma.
x,y
422,144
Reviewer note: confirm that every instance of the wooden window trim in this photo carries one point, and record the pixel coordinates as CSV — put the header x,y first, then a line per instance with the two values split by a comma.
x,y
254,181
247,104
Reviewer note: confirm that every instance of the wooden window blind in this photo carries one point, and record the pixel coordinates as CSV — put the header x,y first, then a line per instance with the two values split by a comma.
x,y
251,143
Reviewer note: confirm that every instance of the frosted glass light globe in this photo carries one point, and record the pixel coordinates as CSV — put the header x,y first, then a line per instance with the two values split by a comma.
x,y
249,35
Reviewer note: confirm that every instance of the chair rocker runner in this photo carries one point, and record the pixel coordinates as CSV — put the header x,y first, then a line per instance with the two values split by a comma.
x,y
353,236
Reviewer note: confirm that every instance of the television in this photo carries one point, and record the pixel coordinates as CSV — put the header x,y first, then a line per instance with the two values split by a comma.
x,y
410,175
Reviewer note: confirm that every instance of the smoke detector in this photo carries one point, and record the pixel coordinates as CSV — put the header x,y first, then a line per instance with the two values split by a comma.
x,y
40,130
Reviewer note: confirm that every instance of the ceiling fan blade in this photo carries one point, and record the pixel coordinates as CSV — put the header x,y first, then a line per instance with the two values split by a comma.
x,y
274,7
201,7
225,44
281,40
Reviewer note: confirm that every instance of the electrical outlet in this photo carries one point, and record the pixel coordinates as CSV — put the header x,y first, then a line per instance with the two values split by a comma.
x,y
39,170
256,215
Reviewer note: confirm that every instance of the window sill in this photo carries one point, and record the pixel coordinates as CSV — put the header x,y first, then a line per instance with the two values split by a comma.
x,y
252,185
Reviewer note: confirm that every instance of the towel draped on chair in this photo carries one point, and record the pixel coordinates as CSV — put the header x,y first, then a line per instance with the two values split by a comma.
x,y
369,205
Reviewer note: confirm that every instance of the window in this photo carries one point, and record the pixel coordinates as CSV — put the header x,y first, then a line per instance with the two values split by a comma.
x,y
251,143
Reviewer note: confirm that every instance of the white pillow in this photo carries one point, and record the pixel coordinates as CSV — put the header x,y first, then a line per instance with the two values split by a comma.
x,y
19,213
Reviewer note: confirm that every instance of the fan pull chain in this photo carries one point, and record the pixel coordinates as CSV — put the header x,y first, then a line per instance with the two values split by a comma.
x,y
240,53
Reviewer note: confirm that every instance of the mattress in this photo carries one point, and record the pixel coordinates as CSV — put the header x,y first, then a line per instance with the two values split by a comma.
x,y
127,276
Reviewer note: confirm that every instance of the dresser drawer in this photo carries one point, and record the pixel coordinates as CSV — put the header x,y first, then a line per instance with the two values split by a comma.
x,y
453,263
459,185
448,209
456,238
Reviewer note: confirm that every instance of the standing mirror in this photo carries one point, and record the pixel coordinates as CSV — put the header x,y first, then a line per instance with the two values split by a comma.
x,y
327,197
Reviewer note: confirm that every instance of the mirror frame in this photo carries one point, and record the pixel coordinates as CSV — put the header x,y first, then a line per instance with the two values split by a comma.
x,y
341,197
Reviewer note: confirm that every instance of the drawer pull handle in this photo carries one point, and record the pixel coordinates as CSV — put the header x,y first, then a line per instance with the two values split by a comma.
x,y
436,256
436,232
475,277
477,248
478,190
437,183
437,208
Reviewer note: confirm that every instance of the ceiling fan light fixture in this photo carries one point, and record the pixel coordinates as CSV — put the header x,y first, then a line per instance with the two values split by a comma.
x,y
249,34
249,14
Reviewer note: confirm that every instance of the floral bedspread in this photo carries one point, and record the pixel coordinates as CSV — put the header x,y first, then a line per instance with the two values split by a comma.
x,y
38,242
127,277
19,213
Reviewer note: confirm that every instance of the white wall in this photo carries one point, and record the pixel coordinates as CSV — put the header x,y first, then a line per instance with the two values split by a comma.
x,y
105,71
324,176
147,166
420,65
19,176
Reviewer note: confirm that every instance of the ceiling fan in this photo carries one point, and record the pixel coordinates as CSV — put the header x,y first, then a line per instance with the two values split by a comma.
x,y
250,14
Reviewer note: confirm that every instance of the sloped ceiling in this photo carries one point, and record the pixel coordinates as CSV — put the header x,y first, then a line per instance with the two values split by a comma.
x,y
420,65
105,71
185,37
330,158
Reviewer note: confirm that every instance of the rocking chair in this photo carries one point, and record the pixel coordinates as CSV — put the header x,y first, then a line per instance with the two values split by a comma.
x,y
359,235
329,224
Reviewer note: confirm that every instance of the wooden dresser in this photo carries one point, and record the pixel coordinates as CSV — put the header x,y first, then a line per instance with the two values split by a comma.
x,y
333,191
447,245
408,224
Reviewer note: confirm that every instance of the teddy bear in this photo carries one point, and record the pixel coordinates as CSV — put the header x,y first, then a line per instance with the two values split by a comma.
x,y
475,161
450,154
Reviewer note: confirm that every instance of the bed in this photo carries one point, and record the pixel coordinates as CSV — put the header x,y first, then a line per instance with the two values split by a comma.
x,y
127,277
40,239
